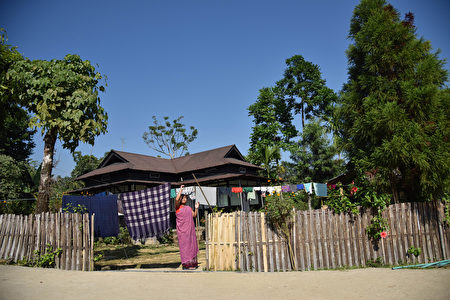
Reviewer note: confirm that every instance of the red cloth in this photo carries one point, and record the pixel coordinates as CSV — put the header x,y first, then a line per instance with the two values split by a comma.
x,y
236,190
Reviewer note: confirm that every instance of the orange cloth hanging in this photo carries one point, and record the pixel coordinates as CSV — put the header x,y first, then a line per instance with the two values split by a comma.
x,y
236,189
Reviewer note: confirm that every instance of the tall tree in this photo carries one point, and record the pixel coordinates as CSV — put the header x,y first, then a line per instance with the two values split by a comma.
x,y
395,106
314,157
304,90
16,139
84,164
170,138
63,96
269,129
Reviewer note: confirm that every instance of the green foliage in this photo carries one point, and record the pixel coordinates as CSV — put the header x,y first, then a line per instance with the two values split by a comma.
x,y
111,240
269,130
60,186
393,117
78,209
170,138
313,157
44,260
63,98
414,251
377,225
166,239
84,164
16,139
376,263
15,183
339,200
124,236
304,91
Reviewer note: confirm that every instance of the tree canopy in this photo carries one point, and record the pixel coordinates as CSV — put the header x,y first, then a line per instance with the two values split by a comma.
x,y
394,113
63,97
169,138
16,138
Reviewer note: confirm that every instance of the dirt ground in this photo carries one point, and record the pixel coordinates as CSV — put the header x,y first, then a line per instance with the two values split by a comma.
x,y
33,283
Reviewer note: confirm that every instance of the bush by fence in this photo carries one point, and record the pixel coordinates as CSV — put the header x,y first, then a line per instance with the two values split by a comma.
x,y
323,240
21,237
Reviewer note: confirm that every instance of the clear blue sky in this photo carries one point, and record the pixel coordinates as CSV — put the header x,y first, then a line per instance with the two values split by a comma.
x,y
203,59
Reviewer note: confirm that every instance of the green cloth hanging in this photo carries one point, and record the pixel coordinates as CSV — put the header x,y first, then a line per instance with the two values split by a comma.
x,y
248,189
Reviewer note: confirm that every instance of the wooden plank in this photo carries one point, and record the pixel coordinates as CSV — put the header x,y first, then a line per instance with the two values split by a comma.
x,y
241,248
58,237
434,225
19,244
7,236
207,240
395,247
360,237
245,239
355,240
348,236
426,218
410,230
264,242
405,231
251,240
326,238
3,226
416,230
69,241
331,240
271,250
91,259
388,241
12,230
24,239
31,237
313,239
317,232
308,248
300,240
257,229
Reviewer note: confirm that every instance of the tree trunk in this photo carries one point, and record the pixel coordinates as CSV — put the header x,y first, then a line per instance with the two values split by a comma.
x,y
303,116
46,171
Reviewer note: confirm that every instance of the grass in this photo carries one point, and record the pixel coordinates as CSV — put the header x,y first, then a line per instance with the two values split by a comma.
x,y
164,256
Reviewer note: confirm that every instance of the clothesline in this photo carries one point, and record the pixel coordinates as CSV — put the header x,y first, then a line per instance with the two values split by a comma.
x,y
319,189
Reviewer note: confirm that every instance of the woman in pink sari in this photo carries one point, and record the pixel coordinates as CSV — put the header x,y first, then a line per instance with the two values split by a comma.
x,y
187,240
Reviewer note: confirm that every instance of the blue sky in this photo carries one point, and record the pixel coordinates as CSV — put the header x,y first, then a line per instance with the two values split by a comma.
x,y
203,59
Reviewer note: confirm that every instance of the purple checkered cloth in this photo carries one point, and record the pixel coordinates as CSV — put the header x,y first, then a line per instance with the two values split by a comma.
x,y
147,211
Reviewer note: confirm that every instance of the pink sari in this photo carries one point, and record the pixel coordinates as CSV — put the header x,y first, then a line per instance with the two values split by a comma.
x,y
187,239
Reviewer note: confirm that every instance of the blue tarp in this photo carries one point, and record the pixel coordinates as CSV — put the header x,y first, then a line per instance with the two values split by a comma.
x,y
106,222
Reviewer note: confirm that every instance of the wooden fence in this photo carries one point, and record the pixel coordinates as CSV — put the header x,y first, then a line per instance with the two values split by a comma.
x,y
21,236
323,240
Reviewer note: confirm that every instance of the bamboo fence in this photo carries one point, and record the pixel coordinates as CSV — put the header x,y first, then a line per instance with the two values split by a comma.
x,y
21,236
323,240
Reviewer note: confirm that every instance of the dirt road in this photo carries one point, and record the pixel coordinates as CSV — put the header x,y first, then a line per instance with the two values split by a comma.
x,y
32,283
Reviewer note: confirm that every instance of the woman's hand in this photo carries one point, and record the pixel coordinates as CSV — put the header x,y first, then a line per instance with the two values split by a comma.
x,y
197,205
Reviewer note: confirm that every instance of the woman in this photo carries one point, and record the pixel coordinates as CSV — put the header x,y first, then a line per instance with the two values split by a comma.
x,y
187,239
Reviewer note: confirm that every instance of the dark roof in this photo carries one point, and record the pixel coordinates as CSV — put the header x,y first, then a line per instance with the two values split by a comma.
x,y
119,160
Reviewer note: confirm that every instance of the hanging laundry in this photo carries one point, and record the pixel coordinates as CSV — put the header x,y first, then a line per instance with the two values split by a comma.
x,y
173,193
251,196
320,189
285,188
189,191
106,221
300,187
223,194
270,189
147,211
210,193
308,187
247,189
236,190
293,187
278,188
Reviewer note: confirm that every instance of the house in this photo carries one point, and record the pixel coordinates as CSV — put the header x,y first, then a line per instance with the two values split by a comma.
x,y
121,172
